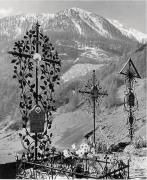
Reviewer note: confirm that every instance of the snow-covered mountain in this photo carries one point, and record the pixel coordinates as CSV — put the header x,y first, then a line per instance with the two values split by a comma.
x,y
130,32
80,36
74,20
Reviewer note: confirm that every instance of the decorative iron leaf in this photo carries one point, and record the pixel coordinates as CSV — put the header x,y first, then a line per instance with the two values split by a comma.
x,y
13,60
47,149
20,73
45,82
32,147
28,142
42,77
48,154
21,104
20,134
30,102
42,87
51,86
30,75
32,86
30,107
30,35
24,83
14,76
24,126
34,94
32,91
20,50
45,103
45,92
53,108
17,63
28,48
51,72
40,146
44,142
39,155
39,97
42,66
49,127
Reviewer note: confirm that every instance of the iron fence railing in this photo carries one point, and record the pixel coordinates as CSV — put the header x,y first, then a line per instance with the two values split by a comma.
x,y
73,167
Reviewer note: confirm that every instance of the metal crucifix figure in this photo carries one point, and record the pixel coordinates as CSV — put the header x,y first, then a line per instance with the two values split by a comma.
x,y
94,91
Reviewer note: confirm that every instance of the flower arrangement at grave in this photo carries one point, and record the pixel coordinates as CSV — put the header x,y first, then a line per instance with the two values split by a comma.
x,y
83,150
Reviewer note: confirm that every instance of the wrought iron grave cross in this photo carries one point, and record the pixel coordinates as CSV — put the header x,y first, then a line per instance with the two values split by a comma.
x,y
94,92
35,52
130,101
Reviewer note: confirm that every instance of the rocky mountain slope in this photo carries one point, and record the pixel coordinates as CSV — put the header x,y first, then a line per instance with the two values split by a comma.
x,y
70,127
74,21
111,124
79,36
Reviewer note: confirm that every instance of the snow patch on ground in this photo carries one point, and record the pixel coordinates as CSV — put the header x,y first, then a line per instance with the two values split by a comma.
x,y
95,53
77,26
76,60
100,27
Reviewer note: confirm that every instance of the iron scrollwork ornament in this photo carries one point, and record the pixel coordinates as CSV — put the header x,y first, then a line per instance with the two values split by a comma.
x,y
130,100
31,55
93,93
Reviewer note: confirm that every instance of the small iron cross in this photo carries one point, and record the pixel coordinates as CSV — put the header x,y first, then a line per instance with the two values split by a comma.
x,y
95,92
106,166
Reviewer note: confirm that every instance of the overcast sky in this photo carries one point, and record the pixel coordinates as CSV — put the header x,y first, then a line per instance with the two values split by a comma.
x,y
131,13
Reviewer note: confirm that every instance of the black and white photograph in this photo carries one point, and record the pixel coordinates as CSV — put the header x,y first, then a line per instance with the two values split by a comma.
x,y
73,89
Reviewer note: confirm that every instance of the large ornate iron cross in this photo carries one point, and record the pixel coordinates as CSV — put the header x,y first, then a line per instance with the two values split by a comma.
x,y
36,47
95,92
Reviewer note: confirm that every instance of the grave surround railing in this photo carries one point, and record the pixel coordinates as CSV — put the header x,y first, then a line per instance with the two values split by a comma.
x,y
72,167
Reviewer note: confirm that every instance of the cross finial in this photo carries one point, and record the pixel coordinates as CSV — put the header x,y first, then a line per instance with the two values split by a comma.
x,y
37,24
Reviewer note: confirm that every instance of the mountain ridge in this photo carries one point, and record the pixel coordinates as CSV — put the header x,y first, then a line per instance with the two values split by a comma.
x,y
76,17
78,35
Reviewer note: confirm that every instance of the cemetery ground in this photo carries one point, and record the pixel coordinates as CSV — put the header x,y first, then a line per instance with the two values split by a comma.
x,y
70,127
